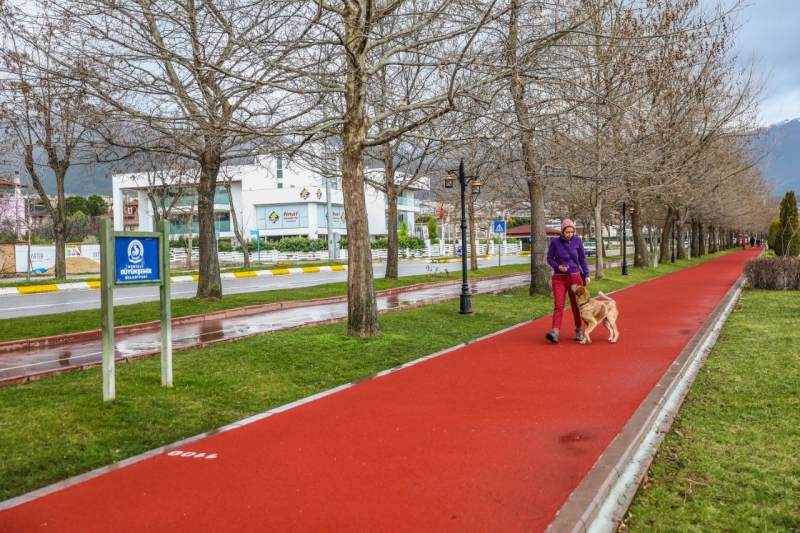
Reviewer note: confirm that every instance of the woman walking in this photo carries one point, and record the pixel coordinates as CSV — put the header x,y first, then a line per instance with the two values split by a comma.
x,y
568,259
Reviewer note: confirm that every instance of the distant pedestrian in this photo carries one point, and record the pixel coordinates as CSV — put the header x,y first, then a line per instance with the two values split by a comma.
x,y
752,242
568,258
758,243
744,243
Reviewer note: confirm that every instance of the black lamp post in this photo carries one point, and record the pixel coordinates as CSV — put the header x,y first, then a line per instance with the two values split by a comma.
x,y
466,297
624,241
673,243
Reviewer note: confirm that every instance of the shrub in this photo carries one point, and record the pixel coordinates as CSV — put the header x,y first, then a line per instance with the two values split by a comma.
x,y
433,234
773,273
787,240
403,242
773,231
300,244
182,242
224,246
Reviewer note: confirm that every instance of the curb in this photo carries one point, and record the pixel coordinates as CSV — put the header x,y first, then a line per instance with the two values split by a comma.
x,y
89,285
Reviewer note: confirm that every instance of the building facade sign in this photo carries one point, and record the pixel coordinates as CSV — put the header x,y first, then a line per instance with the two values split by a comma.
x,y
282,216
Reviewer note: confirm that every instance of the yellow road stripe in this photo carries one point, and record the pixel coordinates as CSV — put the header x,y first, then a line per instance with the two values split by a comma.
x,y
33,289
281,272
337,268
94,284
250,274
310,270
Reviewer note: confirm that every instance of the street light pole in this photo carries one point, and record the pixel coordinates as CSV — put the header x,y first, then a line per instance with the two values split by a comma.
x,y
463,180
624,242
673,242
466,296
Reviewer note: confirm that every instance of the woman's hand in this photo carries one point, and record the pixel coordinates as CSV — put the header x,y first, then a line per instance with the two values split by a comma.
x,y
562,268
588,280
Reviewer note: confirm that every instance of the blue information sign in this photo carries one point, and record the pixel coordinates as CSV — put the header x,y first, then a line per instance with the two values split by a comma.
x,y
499,226
458,250
137,259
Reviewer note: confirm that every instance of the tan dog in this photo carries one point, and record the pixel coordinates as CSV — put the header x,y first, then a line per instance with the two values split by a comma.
x,y
594,311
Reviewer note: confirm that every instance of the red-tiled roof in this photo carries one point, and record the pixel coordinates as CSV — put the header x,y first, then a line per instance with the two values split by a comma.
x,y
525,231
6,183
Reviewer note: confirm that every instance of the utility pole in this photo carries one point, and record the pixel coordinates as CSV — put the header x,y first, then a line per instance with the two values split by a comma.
x,y
329,217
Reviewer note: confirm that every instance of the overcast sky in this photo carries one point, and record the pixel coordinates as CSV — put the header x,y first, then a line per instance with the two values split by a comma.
x,y
771,31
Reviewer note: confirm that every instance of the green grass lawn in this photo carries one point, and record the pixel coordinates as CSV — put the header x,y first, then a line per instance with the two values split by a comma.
x,y
732,459
54,428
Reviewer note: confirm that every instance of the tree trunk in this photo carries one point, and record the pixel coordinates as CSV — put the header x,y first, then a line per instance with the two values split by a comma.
x,y
191,234
209,283
641,258
236,230
680,251
701,239
599,267
695,243
541,271
666,236
712,240
392,256
362,309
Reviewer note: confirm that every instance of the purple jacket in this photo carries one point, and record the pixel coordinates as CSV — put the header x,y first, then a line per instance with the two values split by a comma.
x,y
557,255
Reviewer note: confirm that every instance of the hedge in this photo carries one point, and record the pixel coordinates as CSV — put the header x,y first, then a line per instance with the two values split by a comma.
x,y
773,273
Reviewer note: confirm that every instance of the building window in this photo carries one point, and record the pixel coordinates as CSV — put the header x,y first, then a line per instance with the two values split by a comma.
x,y
339,219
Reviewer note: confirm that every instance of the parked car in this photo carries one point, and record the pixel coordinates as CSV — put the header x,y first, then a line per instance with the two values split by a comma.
x,y
590,248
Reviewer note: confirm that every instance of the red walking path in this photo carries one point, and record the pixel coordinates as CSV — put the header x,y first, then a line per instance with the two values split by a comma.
x,y
491,436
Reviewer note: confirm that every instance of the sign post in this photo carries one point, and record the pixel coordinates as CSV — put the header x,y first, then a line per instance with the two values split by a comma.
x,y
498,227
138,259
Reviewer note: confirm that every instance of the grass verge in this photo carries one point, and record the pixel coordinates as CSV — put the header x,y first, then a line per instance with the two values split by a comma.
x,y
76,321
731,461
58,427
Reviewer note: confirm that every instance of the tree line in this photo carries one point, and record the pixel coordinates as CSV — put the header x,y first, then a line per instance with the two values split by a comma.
x,y
567,107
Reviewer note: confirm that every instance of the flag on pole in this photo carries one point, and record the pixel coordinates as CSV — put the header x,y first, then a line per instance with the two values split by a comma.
x,y
441,212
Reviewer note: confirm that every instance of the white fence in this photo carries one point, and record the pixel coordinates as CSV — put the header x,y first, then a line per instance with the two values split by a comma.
x,y
273,256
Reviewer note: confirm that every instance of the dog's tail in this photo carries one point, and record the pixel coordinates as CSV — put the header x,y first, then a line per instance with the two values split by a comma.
x,y
604,297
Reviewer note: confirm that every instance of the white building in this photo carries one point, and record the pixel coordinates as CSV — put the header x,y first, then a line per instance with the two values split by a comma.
x,y
273,197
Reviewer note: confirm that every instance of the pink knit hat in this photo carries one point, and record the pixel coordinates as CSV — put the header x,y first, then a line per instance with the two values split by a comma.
x,y
567,224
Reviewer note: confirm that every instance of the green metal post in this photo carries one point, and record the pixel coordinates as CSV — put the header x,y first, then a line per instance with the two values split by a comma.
x,y
166,308
107,307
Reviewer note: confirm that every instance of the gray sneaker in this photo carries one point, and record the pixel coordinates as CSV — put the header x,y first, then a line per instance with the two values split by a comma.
x,y
578,335
553,336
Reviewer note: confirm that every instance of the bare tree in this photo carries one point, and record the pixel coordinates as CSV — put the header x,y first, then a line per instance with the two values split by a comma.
x,y
186,71
46,119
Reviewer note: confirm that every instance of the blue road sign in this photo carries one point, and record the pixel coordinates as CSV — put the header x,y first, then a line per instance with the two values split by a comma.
x,y
253,232
458,251
499,226
136,259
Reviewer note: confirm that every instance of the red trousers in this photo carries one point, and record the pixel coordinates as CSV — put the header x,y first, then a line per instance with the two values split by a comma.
x,y
562,285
